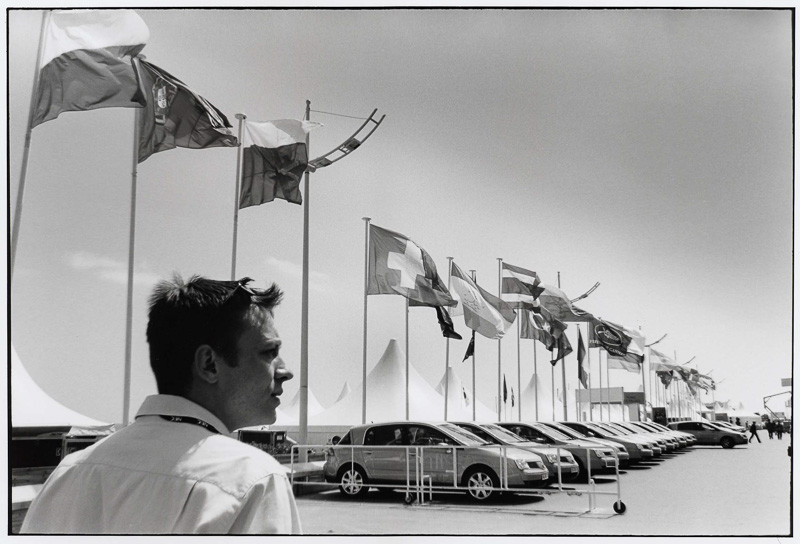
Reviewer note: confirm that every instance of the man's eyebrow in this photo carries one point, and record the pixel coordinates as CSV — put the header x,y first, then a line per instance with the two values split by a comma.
x,y
273,343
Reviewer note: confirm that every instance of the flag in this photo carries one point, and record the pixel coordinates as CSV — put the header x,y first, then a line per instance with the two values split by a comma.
x,y
558,304
512,396
176,116
86,62
398,266
563,346
470,348
466,397
274,157
446,323
534,325
583,372
633,360
686,375
520,287
608,336
665,376
483,312
661,362
505,390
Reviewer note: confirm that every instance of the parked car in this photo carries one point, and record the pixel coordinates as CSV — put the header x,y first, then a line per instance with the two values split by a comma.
x,y
450,456
670,442
651,443
660,442
495,434
731,426
600,459
638,449
690,438
682,439
709,434
622,453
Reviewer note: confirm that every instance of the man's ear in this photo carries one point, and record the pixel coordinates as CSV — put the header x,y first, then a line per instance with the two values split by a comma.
x,y
205,364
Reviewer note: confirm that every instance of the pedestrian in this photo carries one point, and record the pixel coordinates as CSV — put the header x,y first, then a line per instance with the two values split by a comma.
x,y
738,423
215,354
770,428
753,432
779,429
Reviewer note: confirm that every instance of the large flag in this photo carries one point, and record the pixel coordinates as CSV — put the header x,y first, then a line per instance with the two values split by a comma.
x,y
176,116
659,361
398,266
633,360
583,372
483,312
470,348
665,376
534,325
608,336
520,287
274,159
558,304
86,62
563,346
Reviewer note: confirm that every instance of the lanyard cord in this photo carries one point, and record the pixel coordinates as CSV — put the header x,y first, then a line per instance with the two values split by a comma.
x,y
191,421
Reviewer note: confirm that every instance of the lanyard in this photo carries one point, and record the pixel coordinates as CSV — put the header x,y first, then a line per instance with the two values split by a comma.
x,y
192,421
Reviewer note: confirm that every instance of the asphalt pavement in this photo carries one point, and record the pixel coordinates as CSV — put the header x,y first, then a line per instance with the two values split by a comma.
x,y
700,491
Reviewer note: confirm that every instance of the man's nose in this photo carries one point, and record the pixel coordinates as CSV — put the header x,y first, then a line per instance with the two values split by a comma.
x,y
282,372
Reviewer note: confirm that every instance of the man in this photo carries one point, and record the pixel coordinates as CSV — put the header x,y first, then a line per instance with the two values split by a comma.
x,y
753,433
214,352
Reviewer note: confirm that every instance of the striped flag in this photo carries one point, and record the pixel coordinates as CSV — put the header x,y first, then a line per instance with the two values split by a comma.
x,y
274,158
86,62
520,287
483,312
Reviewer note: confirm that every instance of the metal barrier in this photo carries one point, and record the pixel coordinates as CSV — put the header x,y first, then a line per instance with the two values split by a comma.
x,y
422,483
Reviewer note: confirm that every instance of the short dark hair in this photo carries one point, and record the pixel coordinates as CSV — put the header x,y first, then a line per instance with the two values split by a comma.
x,y
186,315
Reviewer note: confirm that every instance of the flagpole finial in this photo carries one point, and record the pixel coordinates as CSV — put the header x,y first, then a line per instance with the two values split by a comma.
x,y
240,116
366,219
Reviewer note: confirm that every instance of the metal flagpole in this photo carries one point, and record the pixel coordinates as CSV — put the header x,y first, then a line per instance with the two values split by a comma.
x,y
26,149
589,359
644,388
600,373
126,392
553,390
241,117
519,369
535,382
446,350
304,305
499,340
563,372
474,351
608,385
407,365
366,287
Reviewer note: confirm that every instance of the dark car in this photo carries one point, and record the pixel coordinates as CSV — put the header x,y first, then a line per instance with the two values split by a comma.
x,y
622,453
638,449
388,454
709,434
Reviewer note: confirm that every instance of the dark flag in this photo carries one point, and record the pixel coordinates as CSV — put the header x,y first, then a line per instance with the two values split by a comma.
x,y
470,348
175,116
583,374
512,396
505,390
563,346
446,324
665,376
608,336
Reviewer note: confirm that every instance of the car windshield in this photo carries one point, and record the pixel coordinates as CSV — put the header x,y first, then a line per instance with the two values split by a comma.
x,y
599,430
572,433
549,432
614,429
503,434
463,435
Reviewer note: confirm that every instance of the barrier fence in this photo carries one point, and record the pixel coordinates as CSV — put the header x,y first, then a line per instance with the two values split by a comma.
x,y
420,482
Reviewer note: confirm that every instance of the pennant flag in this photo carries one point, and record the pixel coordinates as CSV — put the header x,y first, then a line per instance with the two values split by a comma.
x,y
470,348
86,62
562,343
520,287
665,376
483,312
176,116
608,336
464,393
446,324
512,396
583,372
274,157
557,303
534,325
633,360
659,361
398,266
505,390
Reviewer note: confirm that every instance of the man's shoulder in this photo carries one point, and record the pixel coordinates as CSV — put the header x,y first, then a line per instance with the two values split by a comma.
x,y
224,459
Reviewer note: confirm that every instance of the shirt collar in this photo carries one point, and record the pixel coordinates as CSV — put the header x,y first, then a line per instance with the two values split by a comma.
x,y
173,405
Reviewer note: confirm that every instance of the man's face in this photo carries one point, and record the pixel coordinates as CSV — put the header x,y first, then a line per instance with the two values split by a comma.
x,y
250,390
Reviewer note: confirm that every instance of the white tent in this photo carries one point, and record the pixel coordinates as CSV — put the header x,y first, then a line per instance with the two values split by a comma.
x,y
32,407
459,403
345,391
545,400
290,413
386,398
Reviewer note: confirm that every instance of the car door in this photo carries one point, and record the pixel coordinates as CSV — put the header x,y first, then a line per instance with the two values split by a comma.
x,y
386,460
437,450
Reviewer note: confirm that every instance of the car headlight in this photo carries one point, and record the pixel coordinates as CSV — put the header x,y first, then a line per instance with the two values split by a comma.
x,y
524,464
552,457
641,446
603,453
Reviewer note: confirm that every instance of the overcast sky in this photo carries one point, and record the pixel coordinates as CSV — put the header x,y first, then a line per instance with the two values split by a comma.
x,y
649,150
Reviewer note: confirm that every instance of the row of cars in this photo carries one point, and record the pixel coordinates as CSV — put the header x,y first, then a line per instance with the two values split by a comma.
x,y
481,458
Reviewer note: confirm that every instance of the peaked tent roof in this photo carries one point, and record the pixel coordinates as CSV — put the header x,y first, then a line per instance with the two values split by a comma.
x,y
32,407
345,391
536,389
459,403
386,398
290,413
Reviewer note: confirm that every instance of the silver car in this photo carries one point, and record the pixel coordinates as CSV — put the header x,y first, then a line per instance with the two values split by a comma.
x,y
385,455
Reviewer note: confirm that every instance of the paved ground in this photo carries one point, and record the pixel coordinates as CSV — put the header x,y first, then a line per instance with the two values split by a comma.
x,y
707,491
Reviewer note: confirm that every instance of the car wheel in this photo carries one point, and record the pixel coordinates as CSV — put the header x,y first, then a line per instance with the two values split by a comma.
x,y
726,442
353,482
481,483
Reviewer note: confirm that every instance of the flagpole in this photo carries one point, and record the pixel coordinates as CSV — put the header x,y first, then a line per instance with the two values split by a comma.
x,y
407,365
474,351
27,147
589,359
447,348
535,382
600,372
499,340
126,392
304,305
563,371
553,390
366,287
644,386
519,369
608,385
241,117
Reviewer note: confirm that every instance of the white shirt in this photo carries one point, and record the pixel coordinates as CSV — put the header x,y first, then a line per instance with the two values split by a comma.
x,y
159,476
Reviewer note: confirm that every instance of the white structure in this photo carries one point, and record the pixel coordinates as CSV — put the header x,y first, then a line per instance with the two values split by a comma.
x,y
290,413
459,404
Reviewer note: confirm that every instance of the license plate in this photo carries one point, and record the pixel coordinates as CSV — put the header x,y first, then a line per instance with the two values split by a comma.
x,y
574,469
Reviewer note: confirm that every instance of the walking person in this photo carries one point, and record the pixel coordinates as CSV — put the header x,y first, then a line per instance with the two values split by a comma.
x,y
753,432
770,428
215,354
738,423
779,429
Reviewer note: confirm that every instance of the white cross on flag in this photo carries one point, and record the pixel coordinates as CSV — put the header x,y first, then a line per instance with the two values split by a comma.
x,y
398,266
